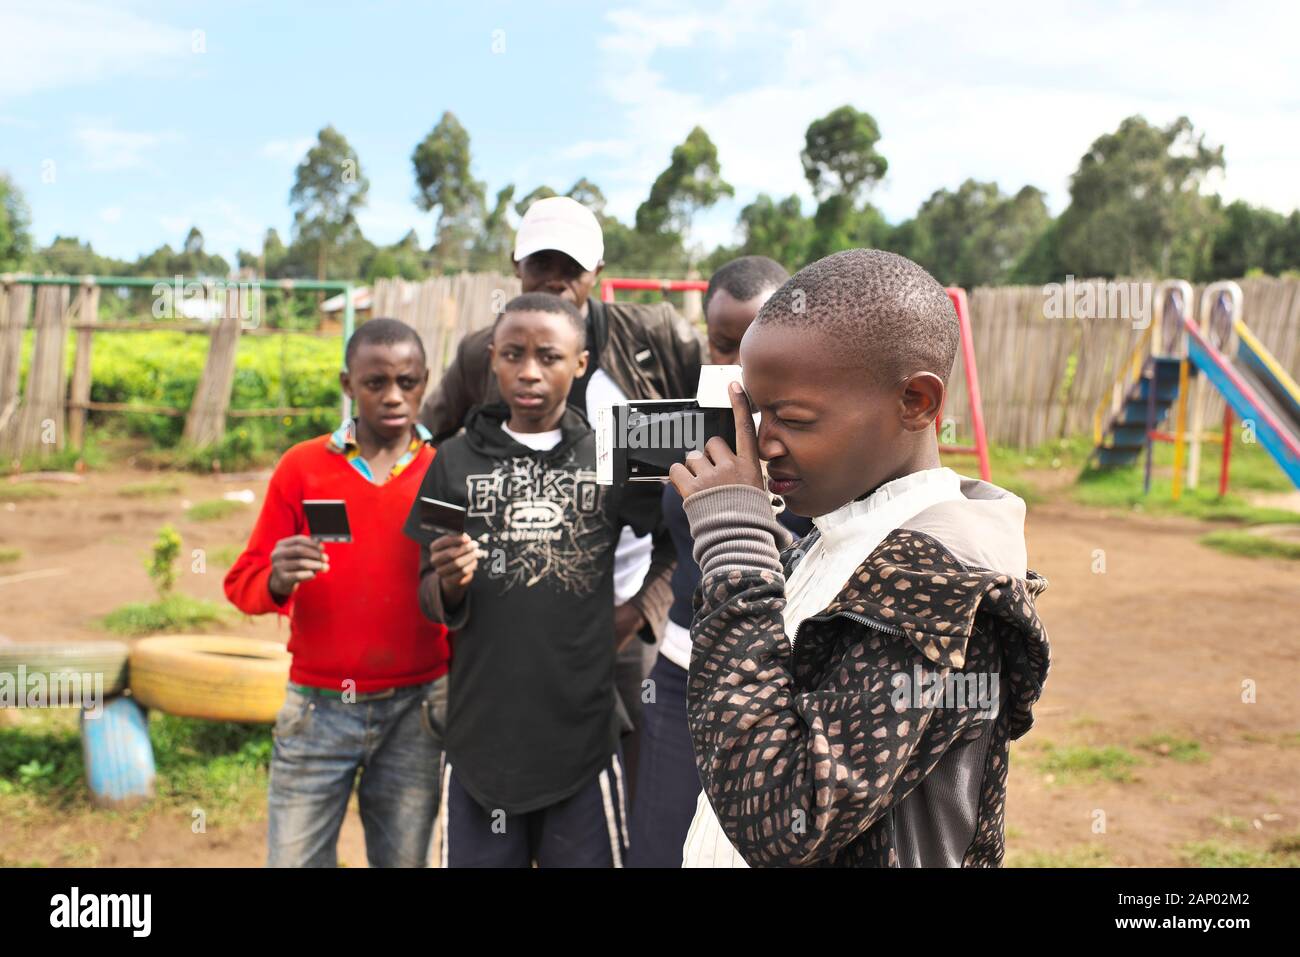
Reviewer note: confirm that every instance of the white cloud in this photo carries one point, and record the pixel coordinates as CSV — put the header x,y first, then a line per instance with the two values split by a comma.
x,y
50,44
111,214
108,148
1015,97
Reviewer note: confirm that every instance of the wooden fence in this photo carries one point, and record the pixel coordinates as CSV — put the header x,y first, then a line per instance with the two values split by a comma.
x,y
51,412
444,309
1040,377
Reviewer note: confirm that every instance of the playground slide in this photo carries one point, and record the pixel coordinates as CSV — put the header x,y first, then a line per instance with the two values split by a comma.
x,y
1257,388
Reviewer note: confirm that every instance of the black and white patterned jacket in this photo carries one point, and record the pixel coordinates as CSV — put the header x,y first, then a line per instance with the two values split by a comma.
x,y
808,756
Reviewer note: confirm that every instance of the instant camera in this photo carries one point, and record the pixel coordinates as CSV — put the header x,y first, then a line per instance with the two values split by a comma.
x,y
638,441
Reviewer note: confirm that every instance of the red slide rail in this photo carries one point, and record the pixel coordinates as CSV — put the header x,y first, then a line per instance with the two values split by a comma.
x,y
958,296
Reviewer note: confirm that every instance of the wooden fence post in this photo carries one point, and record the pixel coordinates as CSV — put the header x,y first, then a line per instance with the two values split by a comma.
x,y
15,303
38,422
87,310
206,423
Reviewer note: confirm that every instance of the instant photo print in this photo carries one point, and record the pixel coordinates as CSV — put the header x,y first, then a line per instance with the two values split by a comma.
x,y
327,519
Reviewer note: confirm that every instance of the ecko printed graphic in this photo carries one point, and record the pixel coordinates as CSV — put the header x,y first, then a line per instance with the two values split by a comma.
x,y
541,521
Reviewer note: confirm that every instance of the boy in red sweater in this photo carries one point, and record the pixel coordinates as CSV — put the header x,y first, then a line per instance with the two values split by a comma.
x,y
367,687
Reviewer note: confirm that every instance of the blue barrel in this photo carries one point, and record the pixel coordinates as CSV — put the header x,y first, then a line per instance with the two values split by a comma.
x,y
118,754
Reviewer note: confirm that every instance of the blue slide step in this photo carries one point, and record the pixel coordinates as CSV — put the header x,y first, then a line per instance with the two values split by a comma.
x,y
1126,433
118,753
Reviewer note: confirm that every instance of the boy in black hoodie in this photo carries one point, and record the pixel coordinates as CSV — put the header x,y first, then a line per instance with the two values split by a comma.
x,y
533,772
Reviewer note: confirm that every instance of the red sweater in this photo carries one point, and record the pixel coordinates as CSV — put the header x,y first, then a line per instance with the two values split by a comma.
x,y
361,620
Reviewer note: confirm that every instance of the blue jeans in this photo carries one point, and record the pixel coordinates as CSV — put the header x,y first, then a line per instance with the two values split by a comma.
x,y
320,744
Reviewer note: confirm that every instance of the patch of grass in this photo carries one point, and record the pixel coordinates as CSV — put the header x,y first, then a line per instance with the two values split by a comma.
x,y
26,492
1079,855
1287,848
1251,469
1180,749
9,555
213,510
92,456
175,612
150,489
1282,852
1251,546
1122,488
209,765
1084,762
42,756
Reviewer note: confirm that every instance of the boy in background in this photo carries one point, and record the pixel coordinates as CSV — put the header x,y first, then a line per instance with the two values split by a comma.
x,y
367,684
851,700
667,782
533,772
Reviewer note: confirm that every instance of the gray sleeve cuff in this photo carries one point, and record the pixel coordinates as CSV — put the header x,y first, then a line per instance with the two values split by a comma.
x,y
734,529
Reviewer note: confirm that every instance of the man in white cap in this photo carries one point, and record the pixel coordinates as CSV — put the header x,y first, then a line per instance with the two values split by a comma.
x,y
636,351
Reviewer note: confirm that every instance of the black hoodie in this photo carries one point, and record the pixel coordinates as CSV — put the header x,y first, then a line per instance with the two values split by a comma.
x,y
531,713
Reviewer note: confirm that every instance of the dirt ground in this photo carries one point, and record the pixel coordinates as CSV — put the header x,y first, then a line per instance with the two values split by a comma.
x,y
1152,634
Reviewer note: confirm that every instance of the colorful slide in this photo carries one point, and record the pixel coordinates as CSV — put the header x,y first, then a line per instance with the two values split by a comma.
x,y
1250,379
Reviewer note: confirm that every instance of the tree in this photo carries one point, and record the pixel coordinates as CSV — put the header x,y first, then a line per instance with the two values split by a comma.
x,y
493,246
1248,238
541,192
692,181
1135,202
840,162
404,259
976,235
589,194
327,192
69,256
444,182
191,261
15,226
779,231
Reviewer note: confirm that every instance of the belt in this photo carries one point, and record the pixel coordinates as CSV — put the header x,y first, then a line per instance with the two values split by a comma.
x,y
331,693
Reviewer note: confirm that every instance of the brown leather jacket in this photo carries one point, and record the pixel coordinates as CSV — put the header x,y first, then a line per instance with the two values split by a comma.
x,y
648,351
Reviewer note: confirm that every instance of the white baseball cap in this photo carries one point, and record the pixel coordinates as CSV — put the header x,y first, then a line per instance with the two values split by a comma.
x,y
559,222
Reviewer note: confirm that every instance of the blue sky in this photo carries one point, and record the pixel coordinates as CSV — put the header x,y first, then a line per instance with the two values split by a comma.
x,y
124,126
